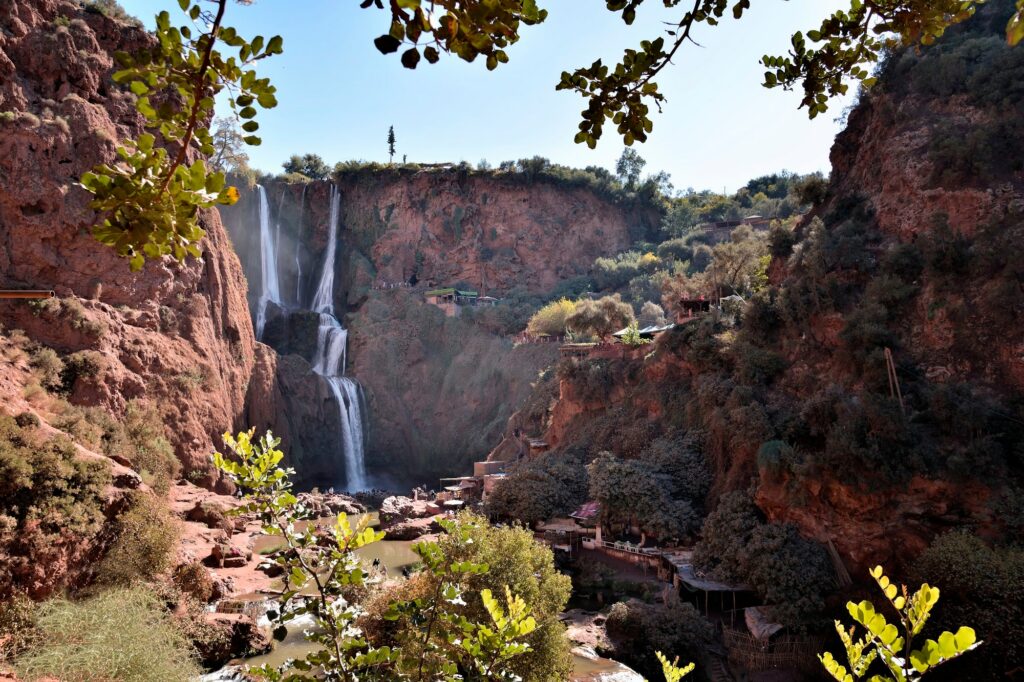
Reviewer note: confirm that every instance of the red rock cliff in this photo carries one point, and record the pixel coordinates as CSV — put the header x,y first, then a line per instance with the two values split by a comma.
x,y
178,334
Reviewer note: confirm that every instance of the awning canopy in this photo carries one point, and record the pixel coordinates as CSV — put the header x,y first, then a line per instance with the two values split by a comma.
x,y
759,624
645,332
587,512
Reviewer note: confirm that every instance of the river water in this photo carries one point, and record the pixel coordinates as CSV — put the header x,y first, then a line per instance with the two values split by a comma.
x,y
396,555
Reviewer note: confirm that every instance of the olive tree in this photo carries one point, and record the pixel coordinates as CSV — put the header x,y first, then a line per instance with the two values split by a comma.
x,y
602,317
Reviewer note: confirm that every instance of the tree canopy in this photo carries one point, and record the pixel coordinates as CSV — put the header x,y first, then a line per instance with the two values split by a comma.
x,y
602,317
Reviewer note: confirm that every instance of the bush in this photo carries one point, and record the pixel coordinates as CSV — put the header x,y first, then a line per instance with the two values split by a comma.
x,y
539,489
18,625
515,560
791,573
50,500
83,364
982,587
144,537
48,367
551,319
194,580
125,635
140,439
679,459
638,630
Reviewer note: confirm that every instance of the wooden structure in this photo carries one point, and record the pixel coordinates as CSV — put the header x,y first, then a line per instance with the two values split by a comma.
x,y
575,350
450,299
691,308
776,651
26,293
686,578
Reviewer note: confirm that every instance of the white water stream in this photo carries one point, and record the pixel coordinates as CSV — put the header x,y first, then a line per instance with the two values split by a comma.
x,y
268,263
332,337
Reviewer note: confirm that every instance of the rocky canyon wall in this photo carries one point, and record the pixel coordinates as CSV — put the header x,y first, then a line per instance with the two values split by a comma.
x,y
912,253
438,390
176,334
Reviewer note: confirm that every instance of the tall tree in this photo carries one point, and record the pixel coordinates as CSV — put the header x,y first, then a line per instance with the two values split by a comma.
x,y
228,145
311,165
629,166
602,317
391,144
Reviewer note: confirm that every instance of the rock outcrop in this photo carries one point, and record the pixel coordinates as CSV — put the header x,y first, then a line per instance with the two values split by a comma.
x,y
176,333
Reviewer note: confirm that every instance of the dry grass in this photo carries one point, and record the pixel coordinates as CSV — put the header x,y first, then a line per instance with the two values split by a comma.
x,y
123,634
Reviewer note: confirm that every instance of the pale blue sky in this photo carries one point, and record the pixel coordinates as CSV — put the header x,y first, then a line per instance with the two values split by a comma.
x,y
719,128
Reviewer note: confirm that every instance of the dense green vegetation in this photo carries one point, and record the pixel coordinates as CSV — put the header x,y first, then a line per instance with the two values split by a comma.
x,y
51,501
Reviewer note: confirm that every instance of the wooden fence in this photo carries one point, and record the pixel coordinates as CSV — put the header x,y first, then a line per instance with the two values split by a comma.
x,y
790,652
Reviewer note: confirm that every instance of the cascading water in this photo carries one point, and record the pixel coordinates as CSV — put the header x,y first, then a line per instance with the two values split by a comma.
x,y
268,264
331,346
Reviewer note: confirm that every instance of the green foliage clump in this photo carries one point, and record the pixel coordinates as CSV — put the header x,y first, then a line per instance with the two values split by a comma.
x,y
49,499
140,439
539,489
48,367
636,493
113,10
552,318
143,539
435,636
120,634
983,586
311,166
18,625
639,630
602,317
791,573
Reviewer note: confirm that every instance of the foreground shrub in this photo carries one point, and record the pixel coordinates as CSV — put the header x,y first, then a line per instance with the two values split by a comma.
x,y
50,502
125,635
981,586
143,539
142,442
639,630
889,646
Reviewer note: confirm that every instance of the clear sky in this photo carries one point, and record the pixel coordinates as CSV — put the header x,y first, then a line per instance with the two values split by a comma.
x,y
719,128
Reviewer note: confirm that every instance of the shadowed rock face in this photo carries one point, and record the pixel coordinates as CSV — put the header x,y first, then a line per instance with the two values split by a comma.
x,y
178,334
439,391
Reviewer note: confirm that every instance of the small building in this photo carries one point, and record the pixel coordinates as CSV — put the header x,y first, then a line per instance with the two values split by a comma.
x,y
690,308
486,301
758,222
450,299
487,467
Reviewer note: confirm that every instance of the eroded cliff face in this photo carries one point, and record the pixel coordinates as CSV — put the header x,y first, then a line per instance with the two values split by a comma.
x,y
438,390
176,334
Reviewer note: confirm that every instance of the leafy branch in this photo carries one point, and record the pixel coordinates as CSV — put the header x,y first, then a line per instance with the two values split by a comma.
x,y
149,200
893,646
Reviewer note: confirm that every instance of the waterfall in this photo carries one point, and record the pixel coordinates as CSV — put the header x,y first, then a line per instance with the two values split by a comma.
x,y
323,301
268,264
298,263
331,346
